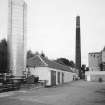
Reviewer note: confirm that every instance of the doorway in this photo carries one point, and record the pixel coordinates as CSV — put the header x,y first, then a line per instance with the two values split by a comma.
x,y
53,78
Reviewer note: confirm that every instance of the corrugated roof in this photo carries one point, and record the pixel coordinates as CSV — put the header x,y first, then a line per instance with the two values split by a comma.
x,y
39,61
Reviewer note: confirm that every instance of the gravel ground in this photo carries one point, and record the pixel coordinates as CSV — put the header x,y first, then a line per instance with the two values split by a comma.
x,y
73,93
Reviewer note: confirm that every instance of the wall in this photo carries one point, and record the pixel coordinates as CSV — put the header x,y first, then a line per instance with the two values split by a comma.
x,y
94,61
94,76
68,76
103,56
44,73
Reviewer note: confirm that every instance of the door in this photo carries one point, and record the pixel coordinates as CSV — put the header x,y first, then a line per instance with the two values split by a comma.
x,y
58,77
62,77
53,78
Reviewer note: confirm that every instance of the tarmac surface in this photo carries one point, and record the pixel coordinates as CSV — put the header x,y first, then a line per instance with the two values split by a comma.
x,y
73,93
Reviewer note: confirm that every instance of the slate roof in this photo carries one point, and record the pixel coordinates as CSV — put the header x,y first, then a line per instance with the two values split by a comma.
x,y
39,61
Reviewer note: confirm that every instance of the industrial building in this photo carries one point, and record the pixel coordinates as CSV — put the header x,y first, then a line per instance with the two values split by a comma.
x,y
96,66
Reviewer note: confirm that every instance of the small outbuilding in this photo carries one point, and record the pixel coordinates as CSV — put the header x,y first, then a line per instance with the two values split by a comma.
x,y
50,71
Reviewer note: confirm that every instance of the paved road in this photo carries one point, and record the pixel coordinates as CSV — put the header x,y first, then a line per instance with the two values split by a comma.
x,y
74,93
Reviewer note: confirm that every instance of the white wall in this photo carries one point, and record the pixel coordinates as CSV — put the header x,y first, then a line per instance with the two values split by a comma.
x,y
68,76
44,73
95,75
103,56
57,78
94,61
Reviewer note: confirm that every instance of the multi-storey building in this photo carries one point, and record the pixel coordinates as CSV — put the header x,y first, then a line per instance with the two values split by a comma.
x,y
97,61
96,66
17,36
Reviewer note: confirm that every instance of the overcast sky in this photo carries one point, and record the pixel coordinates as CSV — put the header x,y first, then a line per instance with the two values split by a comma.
x,y
51,26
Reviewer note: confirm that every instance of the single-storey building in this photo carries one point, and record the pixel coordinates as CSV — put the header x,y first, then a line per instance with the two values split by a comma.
x,y
51,71
95,76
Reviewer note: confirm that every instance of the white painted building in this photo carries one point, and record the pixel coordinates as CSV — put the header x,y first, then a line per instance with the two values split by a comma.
x,y
96,66
95,59
50,71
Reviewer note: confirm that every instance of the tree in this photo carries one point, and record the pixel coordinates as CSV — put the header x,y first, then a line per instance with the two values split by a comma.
x,y
65,62
71,63
42,54
3,56
87,68
101,66
83,69
29,54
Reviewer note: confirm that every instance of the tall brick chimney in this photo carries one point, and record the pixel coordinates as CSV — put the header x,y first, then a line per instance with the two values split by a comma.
x,y
78,46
